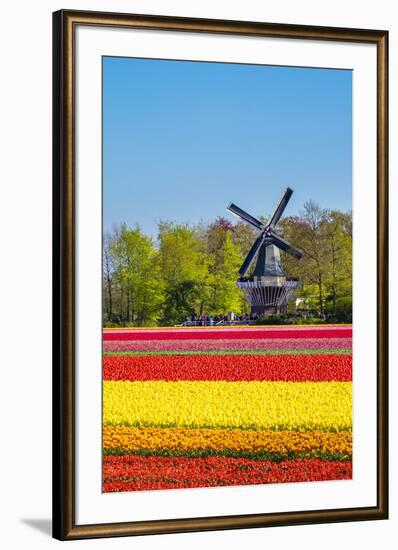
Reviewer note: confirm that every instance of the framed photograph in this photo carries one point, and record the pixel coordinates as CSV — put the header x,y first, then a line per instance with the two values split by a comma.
x,y
220,274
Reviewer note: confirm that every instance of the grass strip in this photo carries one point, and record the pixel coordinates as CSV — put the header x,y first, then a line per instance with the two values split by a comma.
x,y
308,351
206,453
207,426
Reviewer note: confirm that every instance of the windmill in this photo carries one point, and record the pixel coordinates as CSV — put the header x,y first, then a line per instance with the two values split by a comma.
x,y
267,290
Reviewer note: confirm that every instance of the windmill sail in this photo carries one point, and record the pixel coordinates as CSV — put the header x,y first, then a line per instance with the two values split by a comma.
x,y
251,255
244,216
285,246
267,237
276,216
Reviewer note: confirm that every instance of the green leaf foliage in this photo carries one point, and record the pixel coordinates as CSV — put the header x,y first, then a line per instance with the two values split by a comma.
x,y
191,270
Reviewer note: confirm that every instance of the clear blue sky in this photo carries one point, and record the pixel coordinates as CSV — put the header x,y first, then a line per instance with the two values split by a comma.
x,y
183,139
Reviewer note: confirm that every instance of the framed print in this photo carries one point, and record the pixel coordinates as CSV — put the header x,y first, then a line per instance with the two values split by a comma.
x,y
220,275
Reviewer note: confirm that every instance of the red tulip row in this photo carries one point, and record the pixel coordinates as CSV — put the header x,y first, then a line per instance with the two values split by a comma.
x,y
239,334
137,473
293,368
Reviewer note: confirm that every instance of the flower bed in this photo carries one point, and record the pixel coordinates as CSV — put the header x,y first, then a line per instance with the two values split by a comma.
x,y
239,334
132,473
214,407
119,440
274,345
295,368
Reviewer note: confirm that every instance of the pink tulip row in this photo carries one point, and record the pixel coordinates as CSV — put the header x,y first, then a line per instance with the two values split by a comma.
x,y
223,344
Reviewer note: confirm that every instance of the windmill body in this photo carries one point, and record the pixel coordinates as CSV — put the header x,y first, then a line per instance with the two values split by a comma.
x,y
267,289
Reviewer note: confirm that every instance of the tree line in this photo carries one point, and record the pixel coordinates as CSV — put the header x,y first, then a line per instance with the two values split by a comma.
x,y
192,269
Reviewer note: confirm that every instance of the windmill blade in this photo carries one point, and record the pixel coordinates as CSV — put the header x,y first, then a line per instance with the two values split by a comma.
x,y
251,255
244,216
284,245
276,216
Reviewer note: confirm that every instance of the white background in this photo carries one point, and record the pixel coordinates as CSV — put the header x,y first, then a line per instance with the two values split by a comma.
x,y
25,302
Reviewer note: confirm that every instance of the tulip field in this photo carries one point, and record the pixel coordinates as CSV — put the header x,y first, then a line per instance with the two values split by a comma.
x,y
221,406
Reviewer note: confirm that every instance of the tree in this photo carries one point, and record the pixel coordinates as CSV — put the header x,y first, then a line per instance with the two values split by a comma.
x,y
225,260
325,270
137,271
314,246
184,269
108,270
338,239
243,236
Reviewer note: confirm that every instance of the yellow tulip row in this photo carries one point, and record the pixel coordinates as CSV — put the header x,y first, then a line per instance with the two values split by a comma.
x,y
319,406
